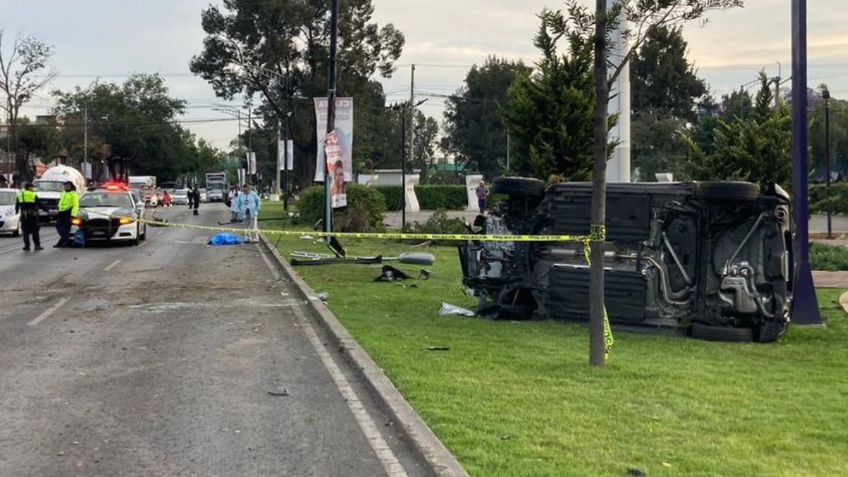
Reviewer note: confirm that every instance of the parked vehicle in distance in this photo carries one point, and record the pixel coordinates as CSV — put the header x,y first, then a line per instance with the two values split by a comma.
x,y
204,197
51,184
149,196
712,259
180,197
216,194
10,221
139,182
110,214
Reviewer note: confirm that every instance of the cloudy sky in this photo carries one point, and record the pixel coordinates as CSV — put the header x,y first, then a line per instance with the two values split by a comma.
x,y
112,38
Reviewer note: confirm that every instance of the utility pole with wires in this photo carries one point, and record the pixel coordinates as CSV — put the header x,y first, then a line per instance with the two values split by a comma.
x,y
331,112
85,168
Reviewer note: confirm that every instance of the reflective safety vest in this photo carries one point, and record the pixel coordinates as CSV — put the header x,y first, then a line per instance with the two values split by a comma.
x,y
27,197
27,204
69,201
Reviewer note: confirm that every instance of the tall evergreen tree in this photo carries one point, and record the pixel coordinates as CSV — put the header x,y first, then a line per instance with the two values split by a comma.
x,y
754,148
665,90
474,130
549,112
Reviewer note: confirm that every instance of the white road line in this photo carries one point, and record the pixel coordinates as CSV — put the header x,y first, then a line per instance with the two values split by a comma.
x,y
379,445
48,312
112,265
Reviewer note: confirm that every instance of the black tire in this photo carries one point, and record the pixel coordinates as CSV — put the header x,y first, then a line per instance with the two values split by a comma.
x,y
519,186
729,334
734,191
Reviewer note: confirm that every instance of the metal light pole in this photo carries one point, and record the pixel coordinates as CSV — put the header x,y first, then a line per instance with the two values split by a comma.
x,y
331,111
85,166
805,306
826,96
403,168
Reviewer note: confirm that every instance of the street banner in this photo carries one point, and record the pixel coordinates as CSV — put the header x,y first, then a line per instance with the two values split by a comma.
x,y
282,150
343,132
251,163
333,152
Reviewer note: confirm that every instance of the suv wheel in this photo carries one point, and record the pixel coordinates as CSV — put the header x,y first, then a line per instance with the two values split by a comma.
x,y
519,186
727,191
722,333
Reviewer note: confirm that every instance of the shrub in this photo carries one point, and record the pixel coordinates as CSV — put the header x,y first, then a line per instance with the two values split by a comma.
x,y
828,258
838,200
364,211
438,223
430,197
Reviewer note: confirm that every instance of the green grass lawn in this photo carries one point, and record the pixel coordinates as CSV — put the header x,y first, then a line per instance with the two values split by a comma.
x,y
518,398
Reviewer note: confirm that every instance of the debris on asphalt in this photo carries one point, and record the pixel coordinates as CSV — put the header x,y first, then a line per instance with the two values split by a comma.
x,y
391,274
278,392
448,309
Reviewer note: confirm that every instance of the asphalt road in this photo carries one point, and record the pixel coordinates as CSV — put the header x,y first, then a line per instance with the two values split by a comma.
x,y
162,360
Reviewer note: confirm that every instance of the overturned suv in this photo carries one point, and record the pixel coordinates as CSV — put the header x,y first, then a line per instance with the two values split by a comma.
x,y
711,259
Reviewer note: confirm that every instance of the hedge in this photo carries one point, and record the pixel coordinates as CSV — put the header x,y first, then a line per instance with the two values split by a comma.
x,y
364,211
430,197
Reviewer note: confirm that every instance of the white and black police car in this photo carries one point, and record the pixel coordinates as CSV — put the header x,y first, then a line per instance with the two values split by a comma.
x,y
112,213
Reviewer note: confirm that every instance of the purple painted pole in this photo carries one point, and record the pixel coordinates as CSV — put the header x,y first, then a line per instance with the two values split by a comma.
x,y
805,307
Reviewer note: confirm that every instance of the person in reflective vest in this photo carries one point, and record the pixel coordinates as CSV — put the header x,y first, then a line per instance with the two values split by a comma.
x,y
68,208
27,205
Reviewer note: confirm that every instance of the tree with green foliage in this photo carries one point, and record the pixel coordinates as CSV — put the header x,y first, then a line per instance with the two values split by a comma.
x,y
665,91
426,135
580,23
41,139
278,49
474,130
838,135
132,126
549,112
755,148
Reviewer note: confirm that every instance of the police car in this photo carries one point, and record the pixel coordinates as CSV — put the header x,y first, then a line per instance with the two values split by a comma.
x,y
111,214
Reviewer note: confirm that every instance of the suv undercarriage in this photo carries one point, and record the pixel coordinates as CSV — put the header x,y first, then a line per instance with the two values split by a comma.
x,y
712,259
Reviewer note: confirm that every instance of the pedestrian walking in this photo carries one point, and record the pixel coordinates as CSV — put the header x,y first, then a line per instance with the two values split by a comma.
x,y
68,208
248,212
482,196
27,205
195,198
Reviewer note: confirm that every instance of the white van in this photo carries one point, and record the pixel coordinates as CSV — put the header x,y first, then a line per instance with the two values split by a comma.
x,y
51,184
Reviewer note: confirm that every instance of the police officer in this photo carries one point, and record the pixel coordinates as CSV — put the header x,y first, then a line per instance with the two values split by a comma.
x,y
27,205
68,207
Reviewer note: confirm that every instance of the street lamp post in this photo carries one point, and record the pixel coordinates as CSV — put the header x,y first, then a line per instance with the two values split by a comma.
x,y
805,306
826,96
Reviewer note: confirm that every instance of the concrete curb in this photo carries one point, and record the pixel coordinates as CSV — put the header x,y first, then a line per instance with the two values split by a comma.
x,y
424,441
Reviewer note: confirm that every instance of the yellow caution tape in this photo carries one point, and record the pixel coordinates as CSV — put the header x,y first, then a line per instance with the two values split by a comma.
x,y
598,233
608,339
382,235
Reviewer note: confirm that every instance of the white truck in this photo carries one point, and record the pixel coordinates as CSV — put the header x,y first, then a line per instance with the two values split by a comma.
x,y
217,186
51,184
139,182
